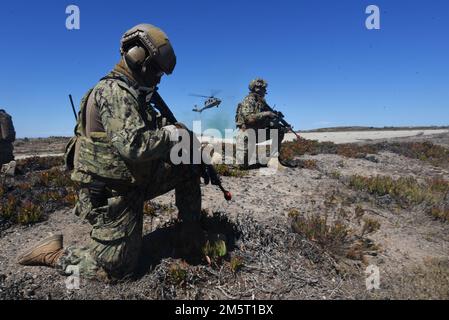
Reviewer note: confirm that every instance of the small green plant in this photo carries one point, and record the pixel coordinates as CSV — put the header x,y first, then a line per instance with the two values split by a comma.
x,y
177,274
29,213
227,171
293,213
440,213
9,207
54,178
215,249
236,264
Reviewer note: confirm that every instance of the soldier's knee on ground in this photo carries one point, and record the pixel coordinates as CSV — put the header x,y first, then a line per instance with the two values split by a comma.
x,y
118,260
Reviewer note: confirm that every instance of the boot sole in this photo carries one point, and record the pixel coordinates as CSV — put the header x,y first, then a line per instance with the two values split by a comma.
x,y
39,245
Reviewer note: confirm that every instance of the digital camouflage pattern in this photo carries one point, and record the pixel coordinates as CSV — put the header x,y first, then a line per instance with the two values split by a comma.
x,y
253,113
119,169
257,83
117,222
7,137
131,140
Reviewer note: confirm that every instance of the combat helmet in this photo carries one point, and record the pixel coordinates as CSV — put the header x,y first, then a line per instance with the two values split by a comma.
x,y
146,47
258,83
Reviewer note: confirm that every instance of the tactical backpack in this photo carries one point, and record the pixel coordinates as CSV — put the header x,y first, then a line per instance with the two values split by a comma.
x,y
7,132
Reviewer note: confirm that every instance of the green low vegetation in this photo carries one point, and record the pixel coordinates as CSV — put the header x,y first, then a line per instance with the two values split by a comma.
x,y
40,188
229,171
425,151
408,192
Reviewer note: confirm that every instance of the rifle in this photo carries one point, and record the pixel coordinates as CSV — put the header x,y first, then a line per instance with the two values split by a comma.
x,y
283,122
73,107
158,102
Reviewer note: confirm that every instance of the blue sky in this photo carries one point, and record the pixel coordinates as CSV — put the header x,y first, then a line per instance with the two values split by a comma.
x,y
323,66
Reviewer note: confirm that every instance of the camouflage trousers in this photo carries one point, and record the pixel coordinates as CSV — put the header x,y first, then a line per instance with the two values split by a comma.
x,y
116,215
248,154
6,152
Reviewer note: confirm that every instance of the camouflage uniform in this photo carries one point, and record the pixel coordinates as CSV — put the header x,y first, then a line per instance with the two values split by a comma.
x,y
119,168
251,114
7,137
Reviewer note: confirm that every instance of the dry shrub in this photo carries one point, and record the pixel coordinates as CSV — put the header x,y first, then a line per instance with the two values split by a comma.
x,y
50,190
425,151
310,164
177,273
8,208
331,235
71,198
407,191
370,225
29,213
333,232
440,213
38,164
236,264
228,171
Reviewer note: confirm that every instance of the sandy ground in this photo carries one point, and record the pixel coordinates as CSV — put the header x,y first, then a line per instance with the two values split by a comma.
x,y
362,136
277,263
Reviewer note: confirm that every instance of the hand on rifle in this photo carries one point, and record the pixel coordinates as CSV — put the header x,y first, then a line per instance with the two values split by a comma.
x,y
279,114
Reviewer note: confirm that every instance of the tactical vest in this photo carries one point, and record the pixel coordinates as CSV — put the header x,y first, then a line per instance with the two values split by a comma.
x,y
7,132
95,156
261,106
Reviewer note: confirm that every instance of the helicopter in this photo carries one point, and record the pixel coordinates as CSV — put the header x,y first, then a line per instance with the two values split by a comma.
x,y
209,103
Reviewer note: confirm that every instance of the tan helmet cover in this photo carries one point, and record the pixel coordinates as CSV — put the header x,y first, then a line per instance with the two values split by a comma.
x,y
258,83
155,42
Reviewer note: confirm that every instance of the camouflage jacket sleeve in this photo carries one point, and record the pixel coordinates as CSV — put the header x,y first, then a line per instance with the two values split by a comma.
x,y
251,112
125,127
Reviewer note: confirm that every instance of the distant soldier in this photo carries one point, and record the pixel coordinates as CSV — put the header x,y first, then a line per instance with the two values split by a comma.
x,y
121,159
7,138
253,114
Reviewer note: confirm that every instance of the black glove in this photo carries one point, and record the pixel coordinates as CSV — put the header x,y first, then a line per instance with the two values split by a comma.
x,y
280,114
210,175
205,175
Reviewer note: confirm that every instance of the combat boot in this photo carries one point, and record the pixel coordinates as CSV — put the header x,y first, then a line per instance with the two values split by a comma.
x,y
45,253
290,163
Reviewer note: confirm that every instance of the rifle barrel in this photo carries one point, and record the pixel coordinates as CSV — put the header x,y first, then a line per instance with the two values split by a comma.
x,y
73,107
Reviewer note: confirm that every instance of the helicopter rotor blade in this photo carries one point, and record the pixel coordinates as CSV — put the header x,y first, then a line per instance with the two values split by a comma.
x,y
198,95
214,93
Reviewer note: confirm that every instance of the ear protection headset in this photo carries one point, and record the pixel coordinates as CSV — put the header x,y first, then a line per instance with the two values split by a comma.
x,y
139,52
